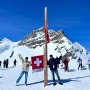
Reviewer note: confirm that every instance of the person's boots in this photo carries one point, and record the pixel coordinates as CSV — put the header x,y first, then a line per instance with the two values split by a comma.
x,y
60,83
54,84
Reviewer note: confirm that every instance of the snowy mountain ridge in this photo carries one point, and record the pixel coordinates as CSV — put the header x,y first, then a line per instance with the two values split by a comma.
x,y
78,47
6,44
33,44
37,38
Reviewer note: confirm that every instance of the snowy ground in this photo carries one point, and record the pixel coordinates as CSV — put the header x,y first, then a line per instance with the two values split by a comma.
x,y
73,80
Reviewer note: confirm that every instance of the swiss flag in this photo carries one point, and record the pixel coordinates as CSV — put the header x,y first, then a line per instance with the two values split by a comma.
x,y
37,63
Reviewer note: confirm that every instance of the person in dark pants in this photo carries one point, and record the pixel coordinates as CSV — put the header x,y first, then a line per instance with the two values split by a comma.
x,y
14,63
88,63
53,67
0,63
80,63
6,63
58,60
66,61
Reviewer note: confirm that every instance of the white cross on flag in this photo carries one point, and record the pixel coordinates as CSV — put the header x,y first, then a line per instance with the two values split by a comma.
x,y
37,63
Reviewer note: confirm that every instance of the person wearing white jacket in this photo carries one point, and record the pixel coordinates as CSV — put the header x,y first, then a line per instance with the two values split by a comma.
x,y
25,69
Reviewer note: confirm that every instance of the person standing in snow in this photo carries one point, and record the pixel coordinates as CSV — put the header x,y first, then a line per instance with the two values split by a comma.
x,y
4,63
14,63
25,69
89,63
66,61
53,67
0,63
7,63
59,59
80,63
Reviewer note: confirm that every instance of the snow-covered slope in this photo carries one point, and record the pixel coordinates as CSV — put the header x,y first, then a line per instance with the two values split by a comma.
x,y
73,80
6,44
78,48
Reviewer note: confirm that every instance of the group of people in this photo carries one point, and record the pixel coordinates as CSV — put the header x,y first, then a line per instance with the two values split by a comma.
x,y
80,63
53,65
6,62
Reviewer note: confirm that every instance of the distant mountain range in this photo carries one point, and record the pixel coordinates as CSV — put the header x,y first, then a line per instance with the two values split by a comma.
x,y
33,44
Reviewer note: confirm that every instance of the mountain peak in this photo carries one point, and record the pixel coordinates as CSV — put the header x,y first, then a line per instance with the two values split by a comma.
x,y
37,37
5,40
78,47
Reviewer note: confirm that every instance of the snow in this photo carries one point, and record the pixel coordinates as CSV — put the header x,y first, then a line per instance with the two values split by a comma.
x,y
73,80
79,47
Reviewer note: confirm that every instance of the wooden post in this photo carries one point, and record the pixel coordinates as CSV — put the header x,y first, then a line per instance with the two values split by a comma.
x,y
45,49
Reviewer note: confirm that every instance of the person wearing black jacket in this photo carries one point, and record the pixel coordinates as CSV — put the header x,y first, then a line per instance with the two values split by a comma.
x,y
53,63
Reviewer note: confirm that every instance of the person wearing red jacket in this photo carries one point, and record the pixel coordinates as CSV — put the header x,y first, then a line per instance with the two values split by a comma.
x,y
66,61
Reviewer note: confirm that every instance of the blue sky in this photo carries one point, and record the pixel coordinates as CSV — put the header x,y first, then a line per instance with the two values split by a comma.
x,y
19,17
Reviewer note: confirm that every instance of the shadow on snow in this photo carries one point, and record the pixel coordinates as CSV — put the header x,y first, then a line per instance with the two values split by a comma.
x,y
32,83
50,82
62,80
